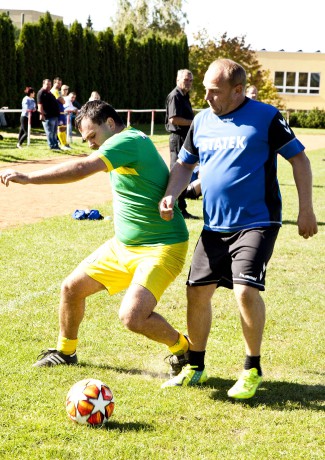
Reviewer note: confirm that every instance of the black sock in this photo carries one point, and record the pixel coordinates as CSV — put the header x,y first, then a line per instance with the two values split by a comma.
x,y
196,358
253,361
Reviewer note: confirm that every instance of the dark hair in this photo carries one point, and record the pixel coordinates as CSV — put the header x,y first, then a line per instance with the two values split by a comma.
x,y
29,90
98,112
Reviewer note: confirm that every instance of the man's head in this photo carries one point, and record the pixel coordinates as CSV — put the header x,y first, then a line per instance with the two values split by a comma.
x,y
184,80
47,84
97,121
57,82
224,82
252,92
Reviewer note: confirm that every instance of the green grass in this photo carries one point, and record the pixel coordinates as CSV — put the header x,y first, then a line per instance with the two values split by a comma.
x,y
284,421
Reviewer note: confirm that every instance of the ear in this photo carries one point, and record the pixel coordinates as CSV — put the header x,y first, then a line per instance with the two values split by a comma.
x,y
110,123
239,89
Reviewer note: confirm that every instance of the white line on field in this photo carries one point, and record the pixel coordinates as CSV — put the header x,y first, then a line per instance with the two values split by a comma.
x,y
14,304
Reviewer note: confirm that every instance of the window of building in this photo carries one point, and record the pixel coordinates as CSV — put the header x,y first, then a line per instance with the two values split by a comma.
x,y
297,82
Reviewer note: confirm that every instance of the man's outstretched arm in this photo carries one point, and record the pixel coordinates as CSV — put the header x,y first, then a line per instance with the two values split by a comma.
x,y
70,171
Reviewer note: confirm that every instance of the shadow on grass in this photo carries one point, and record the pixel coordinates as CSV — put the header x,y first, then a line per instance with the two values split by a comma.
x,y
123,370
128,426
276,395
18,160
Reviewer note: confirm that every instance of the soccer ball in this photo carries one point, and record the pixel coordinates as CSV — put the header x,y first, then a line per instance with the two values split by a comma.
x,y
90,402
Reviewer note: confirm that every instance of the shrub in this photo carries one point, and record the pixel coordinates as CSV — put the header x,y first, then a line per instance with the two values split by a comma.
x,y
314,118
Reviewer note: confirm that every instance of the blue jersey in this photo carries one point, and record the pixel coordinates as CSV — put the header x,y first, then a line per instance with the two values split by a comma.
x,y
237,154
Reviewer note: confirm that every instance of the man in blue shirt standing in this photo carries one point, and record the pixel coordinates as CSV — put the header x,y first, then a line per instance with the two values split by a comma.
x,y
236,142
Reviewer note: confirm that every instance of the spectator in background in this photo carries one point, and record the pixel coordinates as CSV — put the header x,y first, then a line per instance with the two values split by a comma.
x,y
75,103
252,92
179,116
49,113
62,121
3,121
69,109
95,96
28,103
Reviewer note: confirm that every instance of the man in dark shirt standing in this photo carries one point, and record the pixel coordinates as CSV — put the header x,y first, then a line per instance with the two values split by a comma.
x,y
179,116
49,113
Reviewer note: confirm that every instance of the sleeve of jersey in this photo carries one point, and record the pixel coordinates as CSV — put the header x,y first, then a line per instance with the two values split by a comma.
x,y
282,138
189,153
172,107
117,152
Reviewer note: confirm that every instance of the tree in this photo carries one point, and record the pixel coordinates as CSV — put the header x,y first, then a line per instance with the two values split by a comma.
x,y
8,85
206,49
89,24
47,64
163,17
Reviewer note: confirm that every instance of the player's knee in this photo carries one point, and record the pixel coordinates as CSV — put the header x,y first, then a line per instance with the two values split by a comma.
x,y
130,320
245,295
69,287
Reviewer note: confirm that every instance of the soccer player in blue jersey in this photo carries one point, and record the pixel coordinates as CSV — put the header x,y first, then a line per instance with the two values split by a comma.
x,y
236,142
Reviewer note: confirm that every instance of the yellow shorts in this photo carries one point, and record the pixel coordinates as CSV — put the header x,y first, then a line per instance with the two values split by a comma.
x,y
117,266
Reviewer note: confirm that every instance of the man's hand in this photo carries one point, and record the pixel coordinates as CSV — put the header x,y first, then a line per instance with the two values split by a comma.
x,y
307,224
9,175
166,207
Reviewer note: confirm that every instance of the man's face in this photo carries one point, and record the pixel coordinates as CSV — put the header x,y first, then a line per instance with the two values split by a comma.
x,y
96,134
252,93
185,81
219,94
47,85
57,84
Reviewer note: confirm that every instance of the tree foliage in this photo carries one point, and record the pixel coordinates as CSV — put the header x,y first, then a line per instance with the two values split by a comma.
x,y
8,60
205,50
163,17
127,71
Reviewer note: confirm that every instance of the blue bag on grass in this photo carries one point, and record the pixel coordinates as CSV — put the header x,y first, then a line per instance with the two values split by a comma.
x,y
94,214
80,214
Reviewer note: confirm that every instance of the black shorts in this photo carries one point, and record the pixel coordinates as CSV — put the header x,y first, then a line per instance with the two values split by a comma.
x,y
240,257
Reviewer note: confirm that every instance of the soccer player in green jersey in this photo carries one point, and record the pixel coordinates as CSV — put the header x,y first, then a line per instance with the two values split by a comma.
x,y
146,253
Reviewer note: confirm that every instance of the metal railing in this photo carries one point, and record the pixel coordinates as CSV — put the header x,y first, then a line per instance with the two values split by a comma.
x,y
68,113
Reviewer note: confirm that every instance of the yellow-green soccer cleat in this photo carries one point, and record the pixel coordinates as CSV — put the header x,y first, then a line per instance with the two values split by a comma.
x,y
246,385
188,376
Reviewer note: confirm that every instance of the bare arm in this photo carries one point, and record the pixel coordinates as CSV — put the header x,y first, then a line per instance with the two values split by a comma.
x,y
41,112
180,121
70,171
307,224
179,178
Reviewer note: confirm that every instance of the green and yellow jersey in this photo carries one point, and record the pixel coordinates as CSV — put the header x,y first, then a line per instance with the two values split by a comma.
x,y
139,178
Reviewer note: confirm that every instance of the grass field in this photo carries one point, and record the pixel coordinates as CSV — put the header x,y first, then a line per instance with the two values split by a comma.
x,y
284,421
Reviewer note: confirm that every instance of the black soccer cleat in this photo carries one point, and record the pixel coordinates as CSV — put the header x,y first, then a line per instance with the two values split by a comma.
x,y
53,357
177,363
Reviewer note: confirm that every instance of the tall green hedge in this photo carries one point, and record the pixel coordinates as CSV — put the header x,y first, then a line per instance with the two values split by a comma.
x,y
128,72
